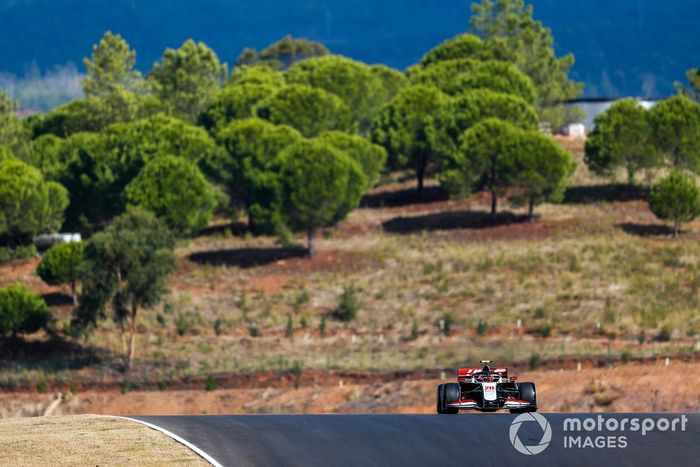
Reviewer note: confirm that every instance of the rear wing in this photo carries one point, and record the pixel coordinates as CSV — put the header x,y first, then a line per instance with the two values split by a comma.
x,y
467,373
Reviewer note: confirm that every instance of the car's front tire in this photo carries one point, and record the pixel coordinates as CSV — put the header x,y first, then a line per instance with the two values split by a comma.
x,y
446,395
453,393
440,398
527,392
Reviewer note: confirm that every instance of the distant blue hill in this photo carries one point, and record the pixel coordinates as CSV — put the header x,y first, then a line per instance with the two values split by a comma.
x,y
622,47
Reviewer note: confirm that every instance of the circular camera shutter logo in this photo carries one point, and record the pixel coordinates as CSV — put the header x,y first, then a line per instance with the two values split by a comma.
x,y
546,433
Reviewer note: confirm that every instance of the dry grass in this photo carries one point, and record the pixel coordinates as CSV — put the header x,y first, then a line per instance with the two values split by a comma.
x,y
590,278
87,440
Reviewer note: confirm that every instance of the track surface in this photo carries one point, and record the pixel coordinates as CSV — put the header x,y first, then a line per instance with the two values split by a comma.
x,y
422,440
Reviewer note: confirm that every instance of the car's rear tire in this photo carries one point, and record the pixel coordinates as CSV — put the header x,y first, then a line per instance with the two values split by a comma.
x,y
527,392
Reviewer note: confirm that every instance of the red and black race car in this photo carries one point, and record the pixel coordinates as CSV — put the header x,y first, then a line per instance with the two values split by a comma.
x,y
486,390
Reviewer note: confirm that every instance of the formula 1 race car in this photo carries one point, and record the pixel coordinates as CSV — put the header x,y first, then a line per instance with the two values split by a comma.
x,y
486,390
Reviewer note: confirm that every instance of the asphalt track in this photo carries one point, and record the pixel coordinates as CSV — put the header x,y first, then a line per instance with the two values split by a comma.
x,y
427,440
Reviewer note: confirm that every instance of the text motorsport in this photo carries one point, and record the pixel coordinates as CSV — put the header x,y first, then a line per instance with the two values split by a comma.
x,y
578,432
615,429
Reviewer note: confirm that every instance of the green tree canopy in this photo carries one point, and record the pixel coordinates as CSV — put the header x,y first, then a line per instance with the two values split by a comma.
x,y
92,114
257,74
371,157
390,82
676,198
234,102
411,128
465,46
529,45
111,66
283,53
13,135
320,186
443,73
125,269
90,173
692,90
496,76
469,108
187,78
622,138
309,110
541,172
28,204
61,265
675,123
252,178
136,142
348,79
46,156
488,153
96,168
176,191
21,311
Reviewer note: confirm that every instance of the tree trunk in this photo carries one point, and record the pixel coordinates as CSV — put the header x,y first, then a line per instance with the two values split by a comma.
x,y
420,176
312,243
132,338
531,211
74,294
122,337
676,228
494,203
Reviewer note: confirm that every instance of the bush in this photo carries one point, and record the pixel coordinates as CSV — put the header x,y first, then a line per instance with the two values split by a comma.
x,y
21,311
20,253
446,323
210,384
535,361
42,386
676,198
182,325
322,326
61,265
289,332
348,305
482,327
664,335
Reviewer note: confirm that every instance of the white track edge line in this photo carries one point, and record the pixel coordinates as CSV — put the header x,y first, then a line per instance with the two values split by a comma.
x,y
179,439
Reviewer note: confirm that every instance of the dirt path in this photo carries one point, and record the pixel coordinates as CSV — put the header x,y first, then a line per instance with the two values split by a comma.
x,y
632,387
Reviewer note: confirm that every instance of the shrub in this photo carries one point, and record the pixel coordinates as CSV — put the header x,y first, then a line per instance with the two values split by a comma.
x,y
19,253
21,311
415,330
42,386
535,361
182,325
61,265
664,335
210,384
676,198
289,332
446,323
348,305
482,327
218,326
322,326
